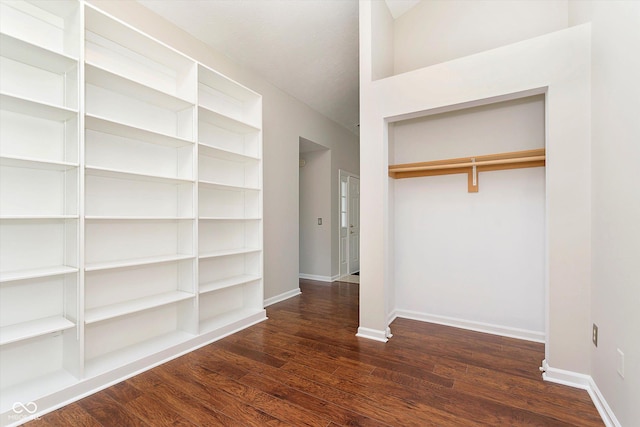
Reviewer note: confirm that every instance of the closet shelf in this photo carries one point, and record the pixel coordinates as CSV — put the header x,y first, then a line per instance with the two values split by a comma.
x,y
471,165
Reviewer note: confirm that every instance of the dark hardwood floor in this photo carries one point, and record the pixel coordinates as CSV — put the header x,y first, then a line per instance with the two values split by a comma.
x,y
305,366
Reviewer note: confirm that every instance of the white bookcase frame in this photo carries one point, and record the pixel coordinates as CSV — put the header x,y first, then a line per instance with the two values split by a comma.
x,y
130,203
39,199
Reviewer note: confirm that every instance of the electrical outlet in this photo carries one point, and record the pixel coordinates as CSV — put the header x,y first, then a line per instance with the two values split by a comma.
x,y
319,221
620,363
594,335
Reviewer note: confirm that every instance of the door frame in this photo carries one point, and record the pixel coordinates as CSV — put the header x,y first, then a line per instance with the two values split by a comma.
x,y
343,269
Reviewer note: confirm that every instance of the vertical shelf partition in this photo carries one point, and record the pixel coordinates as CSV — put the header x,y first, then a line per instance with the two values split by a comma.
x,y
130,203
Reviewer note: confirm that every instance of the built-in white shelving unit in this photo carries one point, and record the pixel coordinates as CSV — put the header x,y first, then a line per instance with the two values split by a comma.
x,y
39,199
130,203
229,201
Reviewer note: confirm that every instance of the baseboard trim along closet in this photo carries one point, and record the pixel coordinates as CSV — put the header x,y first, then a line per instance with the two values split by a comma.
x,y
372,334
585,382
471,325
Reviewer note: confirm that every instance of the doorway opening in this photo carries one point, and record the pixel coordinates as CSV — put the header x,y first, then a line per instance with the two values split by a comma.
x,y
315,225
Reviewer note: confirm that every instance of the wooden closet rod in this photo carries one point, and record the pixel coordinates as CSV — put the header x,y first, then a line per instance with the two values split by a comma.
x,y
400,168
471,165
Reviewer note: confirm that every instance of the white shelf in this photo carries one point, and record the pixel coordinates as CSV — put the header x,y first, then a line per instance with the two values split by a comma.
x,y
228,218
29,163
103,78
34,55
228,252
54,25
229,318
219,153
34,273
135,262
34,389
117,46
33,108
227,283
36,217
213,79
34,328
104,125
137,218
121,357
220,186
218,93
225,122
133,306
120,174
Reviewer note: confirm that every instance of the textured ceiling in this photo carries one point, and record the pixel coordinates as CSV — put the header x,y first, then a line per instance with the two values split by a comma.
x,y
307,48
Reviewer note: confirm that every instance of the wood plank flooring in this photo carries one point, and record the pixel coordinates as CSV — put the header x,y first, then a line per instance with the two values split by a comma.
x,y
305,367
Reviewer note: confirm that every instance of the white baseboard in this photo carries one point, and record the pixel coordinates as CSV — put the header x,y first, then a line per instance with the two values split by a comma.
x,y
471,325
90,385
602,406
317,277
585,382
372,334
283,296
391,317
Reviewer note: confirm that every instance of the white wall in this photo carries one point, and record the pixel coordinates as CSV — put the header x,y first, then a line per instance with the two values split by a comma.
x,y
382,56
615,113
436,31
285,119
315,202
472,259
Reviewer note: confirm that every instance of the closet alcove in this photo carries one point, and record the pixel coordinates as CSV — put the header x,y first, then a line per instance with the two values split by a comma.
x,y
473,259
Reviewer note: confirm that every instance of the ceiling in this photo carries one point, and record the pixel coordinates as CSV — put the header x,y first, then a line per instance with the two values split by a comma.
x,y
307,48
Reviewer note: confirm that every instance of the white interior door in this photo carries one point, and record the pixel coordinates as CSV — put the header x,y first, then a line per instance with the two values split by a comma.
x,y
344,224
354,224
